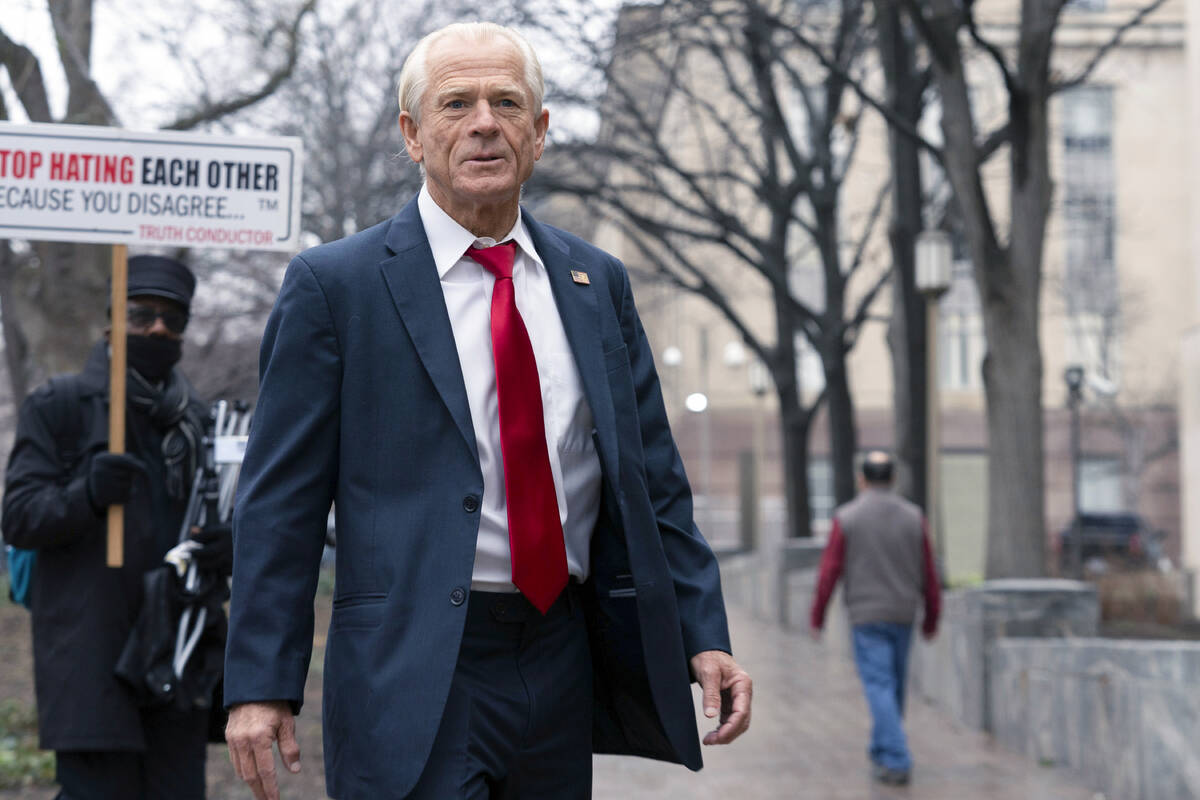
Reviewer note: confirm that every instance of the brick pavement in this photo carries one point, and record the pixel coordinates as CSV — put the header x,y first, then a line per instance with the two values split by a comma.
x,y
808,740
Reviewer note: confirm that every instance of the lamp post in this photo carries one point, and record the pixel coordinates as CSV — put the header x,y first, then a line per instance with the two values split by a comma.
x,y
672,358
1073,376
934,257
752,492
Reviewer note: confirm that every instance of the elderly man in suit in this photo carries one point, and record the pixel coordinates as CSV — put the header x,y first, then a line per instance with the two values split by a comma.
x,y
520,582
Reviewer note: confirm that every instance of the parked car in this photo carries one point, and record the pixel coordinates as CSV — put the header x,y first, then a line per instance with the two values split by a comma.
x,y
1123,537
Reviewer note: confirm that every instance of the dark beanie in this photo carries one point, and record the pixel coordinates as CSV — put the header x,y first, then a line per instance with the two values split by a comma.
x,y
162,277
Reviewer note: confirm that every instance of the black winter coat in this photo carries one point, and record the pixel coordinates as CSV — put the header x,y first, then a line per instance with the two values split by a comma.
x,y
82,609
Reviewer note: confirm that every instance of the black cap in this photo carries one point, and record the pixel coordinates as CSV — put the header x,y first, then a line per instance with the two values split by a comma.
x,y
162,277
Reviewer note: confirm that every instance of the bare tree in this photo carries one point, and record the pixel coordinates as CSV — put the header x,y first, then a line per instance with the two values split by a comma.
x,y
906,83
49,290
722,159
1007,268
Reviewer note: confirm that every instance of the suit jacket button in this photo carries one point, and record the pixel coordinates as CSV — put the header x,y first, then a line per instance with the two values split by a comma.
x,y
458,596
470,504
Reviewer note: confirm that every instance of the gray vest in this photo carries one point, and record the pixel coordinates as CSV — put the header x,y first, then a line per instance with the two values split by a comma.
x,y
884,573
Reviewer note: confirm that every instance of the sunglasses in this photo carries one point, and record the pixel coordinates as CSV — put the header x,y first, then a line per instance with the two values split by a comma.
x,y
141,316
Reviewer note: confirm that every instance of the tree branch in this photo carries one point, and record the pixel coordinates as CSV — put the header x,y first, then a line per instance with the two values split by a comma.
x,y
861,314
1108,46
25,74
988,47
993,142
86,104
895,120
228,106
876,212
702,286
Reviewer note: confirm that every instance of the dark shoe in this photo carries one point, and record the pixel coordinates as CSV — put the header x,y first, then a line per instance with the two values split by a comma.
x,y
889,776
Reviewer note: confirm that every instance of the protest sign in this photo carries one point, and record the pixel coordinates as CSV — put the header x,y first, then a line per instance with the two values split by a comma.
x,y
83,183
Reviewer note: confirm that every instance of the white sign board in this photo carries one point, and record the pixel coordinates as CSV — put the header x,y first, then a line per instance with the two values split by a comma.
x,y
82,183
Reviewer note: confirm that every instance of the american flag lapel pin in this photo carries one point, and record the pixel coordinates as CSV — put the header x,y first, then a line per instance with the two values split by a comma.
x,y
580,277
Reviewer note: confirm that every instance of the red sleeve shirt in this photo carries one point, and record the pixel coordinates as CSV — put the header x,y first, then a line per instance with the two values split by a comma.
x,y
933,588
832,561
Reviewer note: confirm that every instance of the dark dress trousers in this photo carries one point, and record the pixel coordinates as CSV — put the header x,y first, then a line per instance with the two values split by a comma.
x,y
362,402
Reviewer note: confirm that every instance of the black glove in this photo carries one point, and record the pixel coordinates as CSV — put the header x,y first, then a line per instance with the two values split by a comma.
x,y
110,479
216,550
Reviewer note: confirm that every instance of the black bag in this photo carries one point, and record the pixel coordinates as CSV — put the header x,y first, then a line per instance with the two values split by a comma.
x,y
146,661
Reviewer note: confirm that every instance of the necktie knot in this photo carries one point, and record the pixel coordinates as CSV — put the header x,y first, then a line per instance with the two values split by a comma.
x,y
497,259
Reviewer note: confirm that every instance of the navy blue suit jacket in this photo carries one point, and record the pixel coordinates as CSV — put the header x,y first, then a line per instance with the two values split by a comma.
x,y
362,402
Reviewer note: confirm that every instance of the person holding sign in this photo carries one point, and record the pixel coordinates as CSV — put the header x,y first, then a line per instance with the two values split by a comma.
x,y
520,581
58,487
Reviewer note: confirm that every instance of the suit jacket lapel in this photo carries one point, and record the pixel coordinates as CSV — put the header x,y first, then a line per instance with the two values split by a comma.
x,y
579,311
412,280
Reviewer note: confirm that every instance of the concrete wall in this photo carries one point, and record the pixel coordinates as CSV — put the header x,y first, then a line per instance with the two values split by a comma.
x,y
953,670
1020,659
1124,713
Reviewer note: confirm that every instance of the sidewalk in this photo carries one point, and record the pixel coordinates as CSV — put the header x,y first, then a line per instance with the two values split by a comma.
x,y
808,741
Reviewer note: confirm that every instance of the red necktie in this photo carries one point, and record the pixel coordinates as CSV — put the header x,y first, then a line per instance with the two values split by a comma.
x,y
535,536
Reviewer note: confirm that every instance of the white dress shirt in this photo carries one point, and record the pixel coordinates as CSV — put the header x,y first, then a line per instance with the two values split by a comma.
x,y
467,287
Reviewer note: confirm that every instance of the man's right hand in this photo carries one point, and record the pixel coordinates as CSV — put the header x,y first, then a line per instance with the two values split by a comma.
x,y
110,479
252,730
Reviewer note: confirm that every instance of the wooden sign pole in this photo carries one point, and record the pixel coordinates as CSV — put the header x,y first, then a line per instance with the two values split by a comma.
x,y
116,395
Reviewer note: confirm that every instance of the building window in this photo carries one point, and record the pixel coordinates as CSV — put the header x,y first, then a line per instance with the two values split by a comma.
x,y
1100,484
1086,5
820,490
1090,287
961,342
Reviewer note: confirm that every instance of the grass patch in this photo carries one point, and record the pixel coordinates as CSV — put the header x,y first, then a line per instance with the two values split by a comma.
x,y
21,763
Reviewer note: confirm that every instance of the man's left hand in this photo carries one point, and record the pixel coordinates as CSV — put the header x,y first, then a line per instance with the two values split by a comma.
x,y
727,689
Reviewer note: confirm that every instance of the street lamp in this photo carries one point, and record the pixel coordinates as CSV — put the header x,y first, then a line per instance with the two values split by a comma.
x,y
1073,376
934,257
752,470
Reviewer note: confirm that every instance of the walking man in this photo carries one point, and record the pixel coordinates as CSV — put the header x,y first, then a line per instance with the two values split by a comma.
x,y
880,545
519,578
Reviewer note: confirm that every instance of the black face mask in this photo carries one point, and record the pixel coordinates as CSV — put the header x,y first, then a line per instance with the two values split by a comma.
x,y
153,356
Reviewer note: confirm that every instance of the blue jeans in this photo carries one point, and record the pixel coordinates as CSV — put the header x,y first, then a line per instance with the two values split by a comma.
x,y
881,655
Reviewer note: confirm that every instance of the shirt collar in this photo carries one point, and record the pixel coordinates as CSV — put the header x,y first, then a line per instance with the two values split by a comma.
x,y
449,241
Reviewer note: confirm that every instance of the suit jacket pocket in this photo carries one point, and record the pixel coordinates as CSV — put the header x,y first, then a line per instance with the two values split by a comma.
x,y
615,358
358,611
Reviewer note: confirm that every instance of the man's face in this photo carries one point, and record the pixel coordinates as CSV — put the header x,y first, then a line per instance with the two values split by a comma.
x,y
150,315
479,135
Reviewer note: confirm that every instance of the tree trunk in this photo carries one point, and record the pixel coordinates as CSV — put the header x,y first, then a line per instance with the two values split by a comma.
x,y
16,349
1012,376
58,300
794,427
794,424
843,437
906,332
1009,278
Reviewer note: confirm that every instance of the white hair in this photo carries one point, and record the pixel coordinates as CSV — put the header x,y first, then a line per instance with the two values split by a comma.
x,y
414,76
